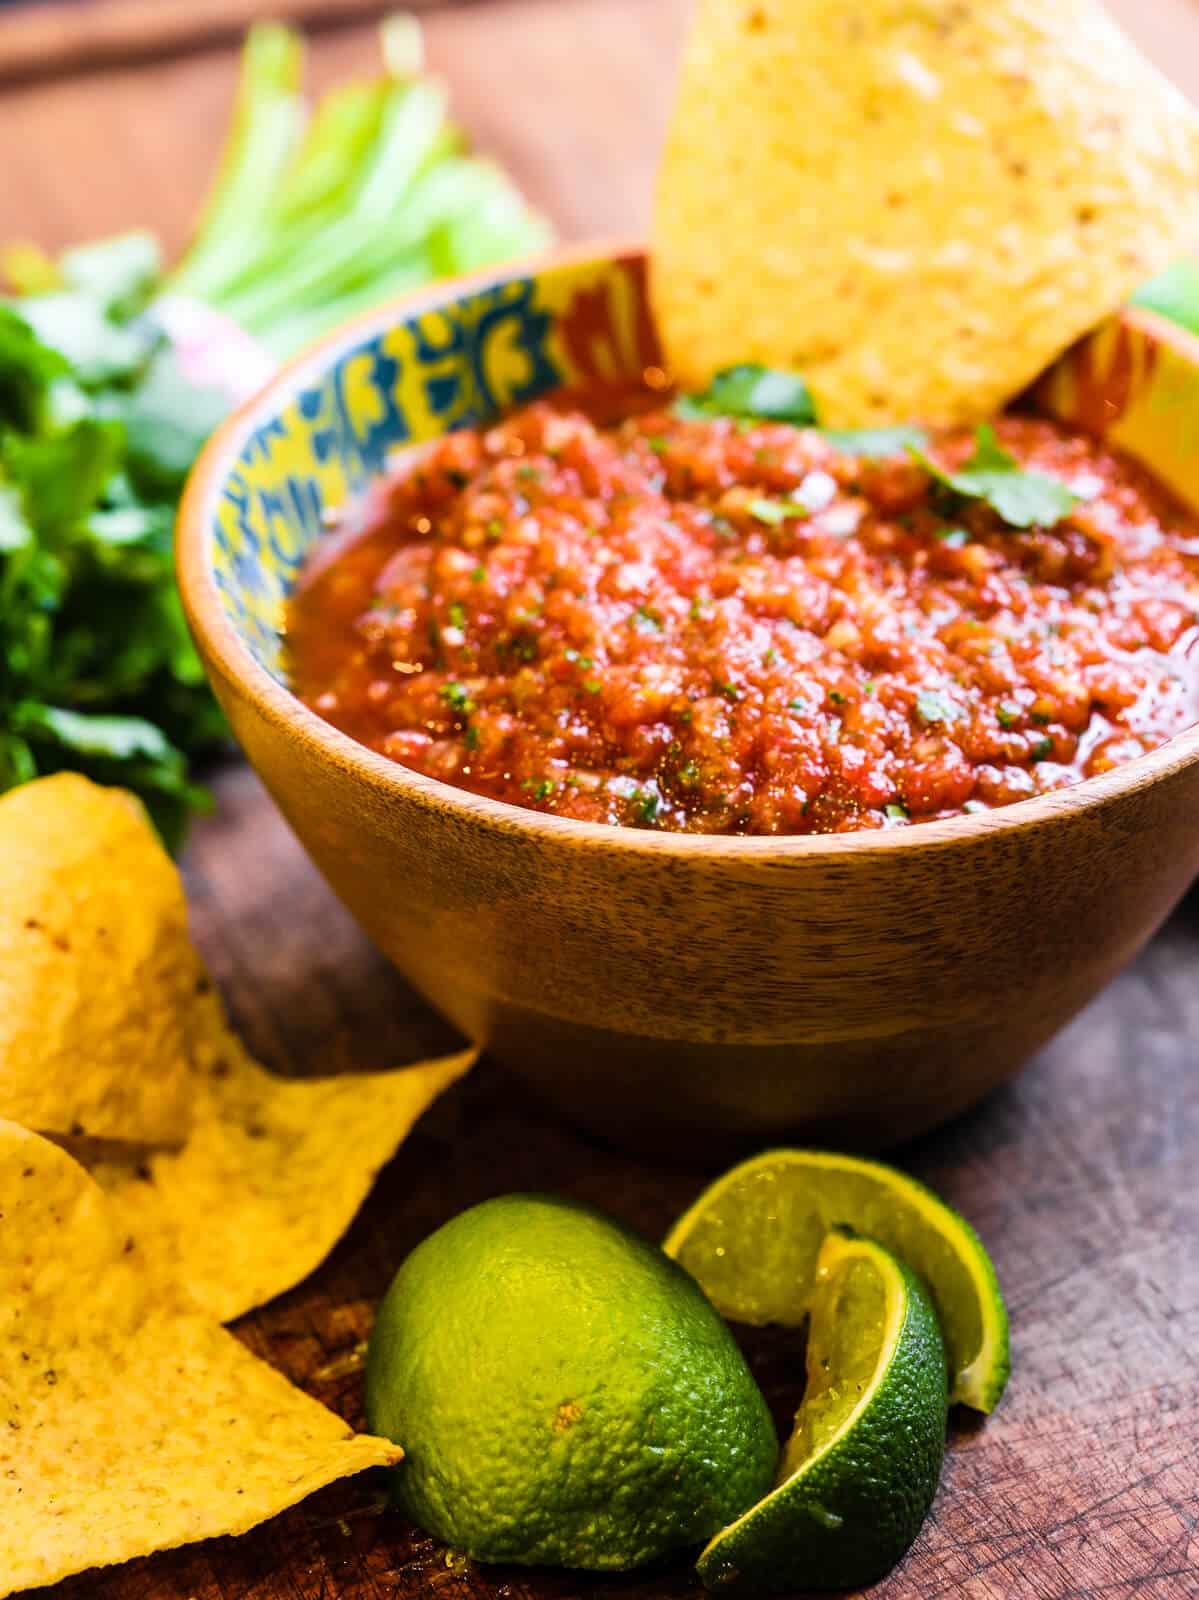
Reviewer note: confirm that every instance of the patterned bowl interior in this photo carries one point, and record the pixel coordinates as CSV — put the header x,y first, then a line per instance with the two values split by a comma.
x,y
463,361
317,440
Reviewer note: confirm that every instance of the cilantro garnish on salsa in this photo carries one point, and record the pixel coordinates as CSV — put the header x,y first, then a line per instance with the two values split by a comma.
x,y
1021,497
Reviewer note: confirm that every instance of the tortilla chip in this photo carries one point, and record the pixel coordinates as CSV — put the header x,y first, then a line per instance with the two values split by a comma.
x,y
274,1171
97,977
130,1421
915,204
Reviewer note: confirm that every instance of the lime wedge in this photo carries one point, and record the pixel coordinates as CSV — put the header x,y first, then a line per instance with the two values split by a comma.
x,y
861,1467
753,1236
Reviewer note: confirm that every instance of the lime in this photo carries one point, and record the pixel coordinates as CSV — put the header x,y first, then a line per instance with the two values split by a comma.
x,y
752,1239
860,1470
564,1393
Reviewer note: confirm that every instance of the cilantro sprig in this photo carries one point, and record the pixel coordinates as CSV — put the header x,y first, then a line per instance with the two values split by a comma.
x,y
753,392
97,429
1023,497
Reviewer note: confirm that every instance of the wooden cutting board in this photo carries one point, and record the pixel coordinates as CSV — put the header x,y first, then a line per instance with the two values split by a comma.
x,y
1081,1177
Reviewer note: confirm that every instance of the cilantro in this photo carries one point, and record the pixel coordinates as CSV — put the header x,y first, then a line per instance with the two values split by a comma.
x,y
836,697
457,697
457,615
478,575
955,538
1042,749
470,737
751,391
933,706
877,442
98,428
167,421
645,806
895,812
1007,716
775,511
1022,498
99,350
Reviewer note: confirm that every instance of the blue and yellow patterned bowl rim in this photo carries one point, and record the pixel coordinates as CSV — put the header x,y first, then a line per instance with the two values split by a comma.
x,y
464,352
447,363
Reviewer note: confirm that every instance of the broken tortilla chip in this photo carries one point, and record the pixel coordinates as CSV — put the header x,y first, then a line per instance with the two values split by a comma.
x,y
914,204
274,1171
130,1421
97,976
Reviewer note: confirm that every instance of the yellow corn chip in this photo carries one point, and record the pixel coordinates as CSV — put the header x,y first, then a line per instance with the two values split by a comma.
x,y
915,204
97,978
130,1421
273,1173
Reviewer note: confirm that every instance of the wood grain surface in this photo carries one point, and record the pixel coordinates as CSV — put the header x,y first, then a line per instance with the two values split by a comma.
x,y
1081,1176
60,36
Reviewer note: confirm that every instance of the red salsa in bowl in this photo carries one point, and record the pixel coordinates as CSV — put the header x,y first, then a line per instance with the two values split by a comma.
x,y
619,613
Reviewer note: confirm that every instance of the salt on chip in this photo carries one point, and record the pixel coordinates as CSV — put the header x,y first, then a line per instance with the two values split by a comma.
x,y
97,976
273,1173
916,204
130,1420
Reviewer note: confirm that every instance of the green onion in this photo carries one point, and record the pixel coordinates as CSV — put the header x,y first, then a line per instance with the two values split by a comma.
x,y
377,198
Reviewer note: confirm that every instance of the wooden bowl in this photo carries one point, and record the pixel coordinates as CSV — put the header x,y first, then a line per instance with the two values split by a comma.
x,y
663,987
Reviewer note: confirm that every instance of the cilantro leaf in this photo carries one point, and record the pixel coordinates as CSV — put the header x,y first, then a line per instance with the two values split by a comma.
x,y
27,370
877,443
78,327
1023,498
773,512
167,423
118,274
62,474
117,738
752,391
15,532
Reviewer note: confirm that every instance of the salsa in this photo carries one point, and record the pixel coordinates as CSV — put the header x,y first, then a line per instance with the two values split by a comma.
x,y
713,625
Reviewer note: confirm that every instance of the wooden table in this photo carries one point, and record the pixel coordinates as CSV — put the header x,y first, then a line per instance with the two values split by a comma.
x,y
1081,1177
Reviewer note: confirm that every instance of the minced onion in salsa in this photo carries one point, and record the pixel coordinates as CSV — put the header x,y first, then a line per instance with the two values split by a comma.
x,y
624,611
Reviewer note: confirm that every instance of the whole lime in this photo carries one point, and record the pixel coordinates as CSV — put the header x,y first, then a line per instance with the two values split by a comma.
x,y
564,1393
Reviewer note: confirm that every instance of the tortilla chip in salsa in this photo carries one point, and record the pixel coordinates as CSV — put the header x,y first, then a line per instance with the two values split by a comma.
x,y
917,204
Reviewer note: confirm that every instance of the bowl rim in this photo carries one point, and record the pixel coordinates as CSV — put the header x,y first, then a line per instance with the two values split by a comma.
x,y
391,781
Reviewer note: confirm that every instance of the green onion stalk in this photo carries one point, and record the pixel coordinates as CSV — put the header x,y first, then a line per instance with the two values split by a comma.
x,y
374,194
